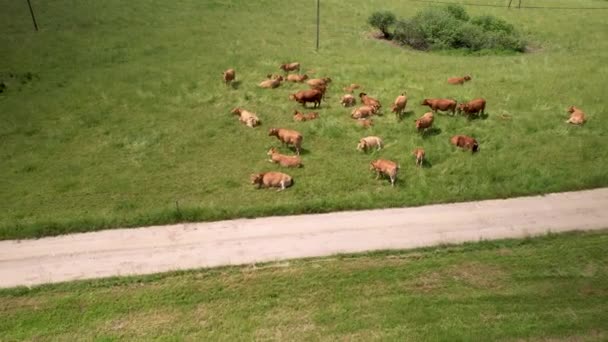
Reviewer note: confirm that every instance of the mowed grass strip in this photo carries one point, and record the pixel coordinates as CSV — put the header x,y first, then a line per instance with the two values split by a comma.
x,y
553,288
125,120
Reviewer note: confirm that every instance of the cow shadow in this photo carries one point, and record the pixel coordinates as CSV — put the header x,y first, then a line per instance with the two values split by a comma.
x,y
431,132
478,117
235,84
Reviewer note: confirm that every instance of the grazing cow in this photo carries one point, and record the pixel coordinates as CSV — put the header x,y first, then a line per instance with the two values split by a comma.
x,y
229,76
297,78
385,167
271,83
310,95
369,101
369,142
271,180
325,81
362,112
419,154
399,105
287,67
351,88
348,100
465,142
365,123
424,122
288,137
248,118
283,160
299,116
446,105
473,107
459,80
577,116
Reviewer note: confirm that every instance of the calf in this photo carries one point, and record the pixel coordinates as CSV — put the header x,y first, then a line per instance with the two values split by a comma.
x,y
446,105
283,160
425,122
229,76
271,83
473,107
351,88
288,137
310,95
297,78
577,116
248,118
459,80
399,105
419,154
362,112
369,101
271,180
348,100
385,167
299,116
369,142
287,67
365,123
319,82
465,142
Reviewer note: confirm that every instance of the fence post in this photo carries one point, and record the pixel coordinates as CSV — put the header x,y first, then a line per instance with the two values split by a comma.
x,y
318,21
32,14
510,1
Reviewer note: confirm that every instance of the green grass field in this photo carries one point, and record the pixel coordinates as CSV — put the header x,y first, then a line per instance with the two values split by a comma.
x,y
125,114
553,288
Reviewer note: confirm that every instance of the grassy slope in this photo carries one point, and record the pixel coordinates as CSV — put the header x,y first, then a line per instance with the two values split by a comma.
x,y
554,287
129,115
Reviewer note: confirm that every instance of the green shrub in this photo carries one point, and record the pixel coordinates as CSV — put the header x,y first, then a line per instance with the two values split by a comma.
x,y
449,27
382,20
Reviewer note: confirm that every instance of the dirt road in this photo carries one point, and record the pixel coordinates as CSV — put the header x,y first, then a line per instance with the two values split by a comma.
x,y
185,246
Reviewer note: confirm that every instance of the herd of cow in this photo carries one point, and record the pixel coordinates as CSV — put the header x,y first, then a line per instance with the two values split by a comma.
x,y
362,115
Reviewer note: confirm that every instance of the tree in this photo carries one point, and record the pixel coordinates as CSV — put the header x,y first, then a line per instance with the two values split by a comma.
x,y
382,20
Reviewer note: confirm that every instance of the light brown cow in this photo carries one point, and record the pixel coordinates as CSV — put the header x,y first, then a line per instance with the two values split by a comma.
x,y
370,142
315,82
297,78
465,142
362,112
369,101
248,118
271,83
272,180
385,167
351,88
419,154
287,67
299,116
459,80
365,123
283,160
348,100
288,137
446,105
577,116
398,106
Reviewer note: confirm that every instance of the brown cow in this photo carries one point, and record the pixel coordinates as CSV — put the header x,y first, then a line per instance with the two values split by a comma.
x,y
272,180
399,105
283,160
385,167
425,122
473,107
310,95
446,105
229,76
459,80
465,142
348,100
288,137
369,101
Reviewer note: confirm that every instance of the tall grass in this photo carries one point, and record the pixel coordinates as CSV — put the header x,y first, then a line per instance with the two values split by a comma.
x,y
127,114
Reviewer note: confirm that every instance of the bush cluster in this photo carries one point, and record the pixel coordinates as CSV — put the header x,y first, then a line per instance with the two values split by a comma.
x,y
450,27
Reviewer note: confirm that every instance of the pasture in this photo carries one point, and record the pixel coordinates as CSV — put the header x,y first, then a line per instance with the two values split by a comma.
x,y
553,288
116,115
